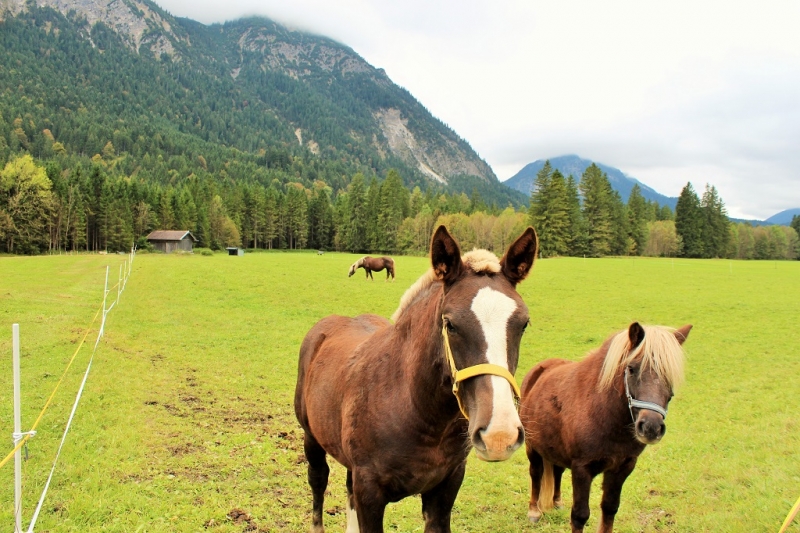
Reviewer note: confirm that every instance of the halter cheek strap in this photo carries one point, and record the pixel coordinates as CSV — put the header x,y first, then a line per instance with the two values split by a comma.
x,y
633,402
472,371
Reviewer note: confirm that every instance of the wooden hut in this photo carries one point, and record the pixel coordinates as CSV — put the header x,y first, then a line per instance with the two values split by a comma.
x,y
169,241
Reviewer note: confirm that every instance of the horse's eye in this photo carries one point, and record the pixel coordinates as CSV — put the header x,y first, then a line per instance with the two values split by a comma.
x,y
525,326
449,326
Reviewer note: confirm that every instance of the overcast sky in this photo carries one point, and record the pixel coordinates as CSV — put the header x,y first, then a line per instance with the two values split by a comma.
x,y
669,92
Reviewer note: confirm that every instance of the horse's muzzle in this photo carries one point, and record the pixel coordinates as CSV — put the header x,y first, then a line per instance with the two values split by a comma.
x,y
649,427
497,445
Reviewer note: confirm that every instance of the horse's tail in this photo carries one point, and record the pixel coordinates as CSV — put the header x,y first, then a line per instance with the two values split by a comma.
x,y
547,488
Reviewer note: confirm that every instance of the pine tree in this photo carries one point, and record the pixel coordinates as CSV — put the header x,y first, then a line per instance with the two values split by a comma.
x,y
371,214
596,211
394,199
356,234
577,239
621,243
549,211
637,219
689,222
716,233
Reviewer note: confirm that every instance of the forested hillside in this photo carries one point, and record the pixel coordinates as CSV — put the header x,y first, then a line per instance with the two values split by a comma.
x,y
176,125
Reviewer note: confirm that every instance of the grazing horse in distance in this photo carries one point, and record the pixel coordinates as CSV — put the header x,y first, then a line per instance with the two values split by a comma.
x,y
596,416
373,264
401,404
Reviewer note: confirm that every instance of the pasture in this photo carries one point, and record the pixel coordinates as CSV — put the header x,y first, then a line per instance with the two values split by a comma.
x,y
187,423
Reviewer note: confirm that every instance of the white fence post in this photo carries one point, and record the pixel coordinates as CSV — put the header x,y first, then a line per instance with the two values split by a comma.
x,y
17,433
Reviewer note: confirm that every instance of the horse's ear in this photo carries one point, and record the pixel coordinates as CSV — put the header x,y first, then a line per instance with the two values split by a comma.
x,y
445,256
682,333
519,258
635,334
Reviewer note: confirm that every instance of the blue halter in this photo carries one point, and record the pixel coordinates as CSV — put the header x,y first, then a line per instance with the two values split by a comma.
x,y
632,402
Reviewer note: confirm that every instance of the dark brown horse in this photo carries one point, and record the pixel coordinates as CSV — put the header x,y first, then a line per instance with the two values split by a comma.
x,y
373,264
597,416
378,397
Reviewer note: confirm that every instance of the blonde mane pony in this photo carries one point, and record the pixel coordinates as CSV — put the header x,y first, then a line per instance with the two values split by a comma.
x,y
356,265
660,350
480,261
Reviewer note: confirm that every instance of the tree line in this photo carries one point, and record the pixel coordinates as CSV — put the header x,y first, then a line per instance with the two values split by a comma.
x,y
589,218
45,208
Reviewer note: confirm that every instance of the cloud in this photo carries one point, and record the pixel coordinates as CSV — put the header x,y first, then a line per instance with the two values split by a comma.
x,y
669,93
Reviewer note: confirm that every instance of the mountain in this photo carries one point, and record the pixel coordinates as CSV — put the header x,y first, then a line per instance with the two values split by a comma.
x,y
783,218
174,97
523,180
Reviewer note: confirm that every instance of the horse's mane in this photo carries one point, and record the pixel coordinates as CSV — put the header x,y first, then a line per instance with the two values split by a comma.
x,y
660,350
480,261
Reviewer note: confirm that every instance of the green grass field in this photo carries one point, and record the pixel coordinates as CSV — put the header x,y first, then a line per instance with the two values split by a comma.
x,y
186,423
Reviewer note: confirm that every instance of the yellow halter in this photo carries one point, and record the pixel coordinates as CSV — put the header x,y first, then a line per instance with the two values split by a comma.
x,y
472,371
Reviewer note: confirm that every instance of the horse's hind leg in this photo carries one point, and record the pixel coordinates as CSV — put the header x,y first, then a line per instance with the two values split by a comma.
x,y
558,471
437,503
352,518
612,488
536,471
317,478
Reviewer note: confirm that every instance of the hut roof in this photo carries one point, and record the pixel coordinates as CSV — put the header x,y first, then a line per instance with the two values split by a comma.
x,y
170,235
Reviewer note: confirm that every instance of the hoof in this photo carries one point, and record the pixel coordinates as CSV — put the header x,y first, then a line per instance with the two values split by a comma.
x,y
558,504
534,516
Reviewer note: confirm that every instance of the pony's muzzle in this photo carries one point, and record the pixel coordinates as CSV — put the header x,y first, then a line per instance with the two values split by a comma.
x,y
497,445
649,427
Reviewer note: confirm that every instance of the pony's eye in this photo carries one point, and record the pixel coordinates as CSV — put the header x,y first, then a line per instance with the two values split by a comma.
x,y
449,326
525,326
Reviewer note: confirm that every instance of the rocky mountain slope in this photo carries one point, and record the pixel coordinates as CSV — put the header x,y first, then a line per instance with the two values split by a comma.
x,y
258,84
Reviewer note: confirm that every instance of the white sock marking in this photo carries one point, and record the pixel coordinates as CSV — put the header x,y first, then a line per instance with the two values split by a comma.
x,y
352,520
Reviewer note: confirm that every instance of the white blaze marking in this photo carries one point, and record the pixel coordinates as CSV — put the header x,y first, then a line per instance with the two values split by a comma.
x,y
352,520
493,309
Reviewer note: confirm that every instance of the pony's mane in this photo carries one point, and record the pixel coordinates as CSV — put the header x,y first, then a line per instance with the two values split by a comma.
x,y
357,264
660,350
480,261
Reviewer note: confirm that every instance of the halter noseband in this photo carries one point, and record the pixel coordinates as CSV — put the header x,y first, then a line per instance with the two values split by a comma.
x,y
472,371
632,402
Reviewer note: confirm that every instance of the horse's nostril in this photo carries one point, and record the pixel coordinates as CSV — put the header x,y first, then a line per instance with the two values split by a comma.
x,y
477,439
663,428
640,427
520,437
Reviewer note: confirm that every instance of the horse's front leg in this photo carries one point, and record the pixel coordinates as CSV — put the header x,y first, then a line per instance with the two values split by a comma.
x,y
437,503
612,489
536,471
581,486
370,504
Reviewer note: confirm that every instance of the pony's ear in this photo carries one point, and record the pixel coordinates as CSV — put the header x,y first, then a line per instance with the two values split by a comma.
x,y
520,256
445,256
682,333
635,334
